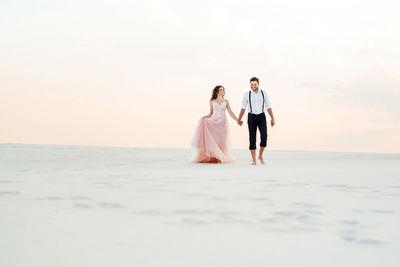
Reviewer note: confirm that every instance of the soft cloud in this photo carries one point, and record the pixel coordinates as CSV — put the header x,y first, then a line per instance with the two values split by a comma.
x,y
160,11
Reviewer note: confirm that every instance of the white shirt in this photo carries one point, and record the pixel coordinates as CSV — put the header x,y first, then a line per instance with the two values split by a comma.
x,y
256,101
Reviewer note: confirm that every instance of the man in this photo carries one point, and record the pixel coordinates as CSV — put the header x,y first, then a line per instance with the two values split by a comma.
x,y
257,100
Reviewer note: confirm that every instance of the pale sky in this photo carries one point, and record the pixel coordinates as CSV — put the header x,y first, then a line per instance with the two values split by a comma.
x,y
140,73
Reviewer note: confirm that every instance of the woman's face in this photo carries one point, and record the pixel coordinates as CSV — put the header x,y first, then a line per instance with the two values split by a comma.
x,y
221,91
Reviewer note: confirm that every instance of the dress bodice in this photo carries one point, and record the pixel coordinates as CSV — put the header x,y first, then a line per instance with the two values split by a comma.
x,y
219,109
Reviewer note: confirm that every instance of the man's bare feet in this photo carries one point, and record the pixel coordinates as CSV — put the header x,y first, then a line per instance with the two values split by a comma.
x,y
254,163
261,160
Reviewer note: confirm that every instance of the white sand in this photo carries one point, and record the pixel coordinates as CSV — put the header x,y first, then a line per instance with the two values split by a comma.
x,y
97,206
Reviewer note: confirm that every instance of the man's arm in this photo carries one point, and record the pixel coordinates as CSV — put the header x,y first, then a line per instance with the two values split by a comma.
x,y
269,109
245,102
240,122
271,114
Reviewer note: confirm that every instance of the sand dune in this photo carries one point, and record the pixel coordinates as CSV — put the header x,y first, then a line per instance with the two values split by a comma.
x,y
103,206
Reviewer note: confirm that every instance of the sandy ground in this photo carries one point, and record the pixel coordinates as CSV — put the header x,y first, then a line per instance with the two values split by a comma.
x,y
101,206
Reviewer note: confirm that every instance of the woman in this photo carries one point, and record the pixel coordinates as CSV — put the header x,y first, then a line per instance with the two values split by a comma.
x,y
211,138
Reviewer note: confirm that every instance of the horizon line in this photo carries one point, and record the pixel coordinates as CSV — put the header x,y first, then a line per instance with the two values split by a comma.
x,y
166,147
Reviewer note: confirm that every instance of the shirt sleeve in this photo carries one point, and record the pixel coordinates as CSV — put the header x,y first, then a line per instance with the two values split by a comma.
x,y
245,100
267,104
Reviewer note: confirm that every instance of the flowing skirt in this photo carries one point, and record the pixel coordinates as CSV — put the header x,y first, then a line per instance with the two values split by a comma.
x,y
212,141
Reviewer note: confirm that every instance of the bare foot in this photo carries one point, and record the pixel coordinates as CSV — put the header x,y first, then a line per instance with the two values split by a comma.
x,y
254,163
261,160
214,160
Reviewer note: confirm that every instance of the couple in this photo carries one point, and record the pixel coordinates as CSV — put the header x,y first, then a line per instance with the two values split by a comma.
x,y
211,137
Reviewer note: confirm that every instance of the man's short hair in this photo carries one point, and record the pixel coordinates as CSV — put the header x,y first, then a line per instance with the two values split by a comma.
x,y
254,79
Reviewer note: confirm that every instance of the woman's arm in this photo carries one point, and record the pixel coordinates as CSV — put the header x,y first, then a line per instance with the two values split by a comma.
x,y
211,111
230,111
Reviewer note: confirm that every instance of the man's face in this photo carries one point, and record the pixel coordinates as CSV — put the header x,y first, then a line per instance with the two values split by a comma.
x,y
254,85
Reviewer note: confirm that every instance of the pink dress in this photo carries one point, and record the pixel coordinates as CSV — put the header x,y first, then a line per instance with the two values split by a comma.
x,y
211,137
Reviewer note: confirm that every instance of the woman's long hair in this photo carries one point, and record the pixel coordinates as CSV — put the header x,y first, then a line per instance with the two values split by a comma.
x,y
215,92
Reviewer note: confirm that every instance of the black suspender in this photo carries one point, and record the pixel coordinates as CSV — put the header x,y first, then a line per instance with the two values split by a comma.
x,y
251,110
263,100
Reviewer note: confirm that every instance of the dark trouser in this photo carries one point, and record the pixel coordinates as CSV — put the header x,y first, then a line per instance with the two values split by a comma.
x,y
254,121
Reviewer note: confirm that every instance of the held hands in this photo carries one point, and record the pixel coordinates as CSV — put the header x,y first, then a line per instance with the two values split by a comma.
x,y
240,122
